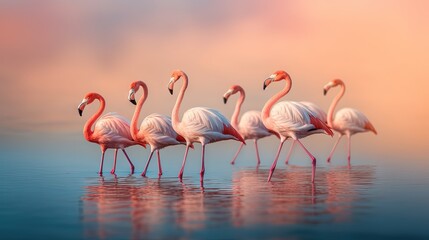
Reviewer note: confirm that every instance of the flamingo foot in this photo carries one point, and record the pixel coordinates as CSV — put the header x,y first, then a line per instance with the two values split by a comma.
x,y
180,176
232,162
160,173
328,160
112,171
132,169
144,174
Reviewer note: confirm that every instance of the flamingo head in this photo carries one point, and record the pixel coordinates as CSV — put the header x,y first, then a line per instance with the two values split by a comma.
x,y
332,84
88,99
174,77
275,77
134,87
231,91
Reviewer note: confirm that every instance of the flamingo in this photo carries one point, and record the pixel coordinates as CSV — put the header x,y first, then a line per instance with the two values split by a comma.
x,y
156,129
250,125
347,121
110,131
315,111
290,119
199,124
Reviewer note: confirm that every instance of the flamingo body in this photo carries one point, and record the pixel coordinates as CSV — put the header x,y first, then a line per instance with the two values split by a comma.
x,y
199,124
110,131
290,119
347,121
155,129
351,121
250,126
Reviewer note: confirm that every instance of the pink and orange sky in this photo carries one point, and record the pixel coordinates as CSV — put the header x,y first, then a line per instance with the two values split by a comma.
x,y
53,52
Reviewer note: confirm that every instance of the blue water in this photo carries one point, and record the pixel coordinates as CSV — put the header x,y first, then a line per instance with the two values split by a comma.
x,y
49,189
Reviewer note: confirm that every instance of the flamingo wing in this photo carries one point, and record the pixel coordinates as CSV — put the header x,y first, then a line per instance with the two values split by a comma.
x,y
208,124
158,130
353,120
316,111
113,128
251,125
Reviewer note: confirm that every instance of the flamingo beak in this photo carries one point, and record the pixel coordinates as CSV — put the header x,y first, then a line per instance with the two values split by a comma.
x,y
327,87
267,82
324,92
225,100
131,97
82,106
170,85
226,96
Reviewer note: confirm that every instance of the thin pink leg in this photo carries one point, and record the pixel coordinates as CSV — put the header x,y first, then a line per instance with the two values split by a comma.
x,y
333,149
257,151
273,166
350,147
313,161
159,163
290,152
183,163
203,169
100,172
114,162
147,164
129,161
236,154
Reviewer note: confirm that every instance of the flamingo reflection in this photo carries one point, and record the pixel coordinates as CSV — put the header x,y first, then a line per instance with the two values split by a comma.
x,y
293,200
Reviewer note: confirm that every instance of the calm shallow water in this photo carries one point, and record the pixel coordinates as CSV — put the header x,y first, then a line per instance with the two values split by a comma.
x,y
54,192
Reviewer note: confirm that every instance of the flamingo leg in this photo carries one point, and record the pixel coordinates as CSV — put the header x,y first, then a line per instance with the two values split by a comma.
x,y
129,161
236,154
313,161
333,149
183,163
257,151
290,152
349,148
273,166
203,169
100,172
159,163
114,162
147,164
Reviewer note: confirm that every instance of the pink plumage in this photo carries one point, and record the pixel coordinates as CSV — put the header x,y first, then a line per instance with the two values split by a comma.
x,y
199,124
290,119
110,131
347,121
250,125
156,129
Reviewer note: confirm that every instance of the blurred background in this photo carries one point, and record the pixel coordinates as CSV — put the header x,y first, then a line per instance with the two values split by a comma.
x,y
53,52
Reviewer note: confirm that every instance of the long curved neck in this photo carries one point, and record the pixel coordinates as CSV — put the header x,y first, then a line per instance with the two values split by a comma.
x,y
234,118
175,113
133,128
87,129
270,103
334,104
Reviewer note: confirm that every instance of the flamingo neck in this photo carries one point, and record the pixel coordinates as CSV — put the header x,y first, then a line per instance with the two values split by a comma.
x,y
175,113
270,103
234,118
133,127
334,104
87,129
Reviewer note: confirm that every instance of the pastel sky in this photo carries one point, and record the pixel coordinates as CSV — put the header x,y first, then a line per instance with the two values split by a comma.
x,y
53,52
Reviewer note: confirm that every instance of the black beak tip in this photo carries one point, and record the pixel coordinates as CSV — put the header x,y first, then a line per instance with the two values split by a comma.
x,y
324,92
225,100
133,101
265,86
80,112
171,91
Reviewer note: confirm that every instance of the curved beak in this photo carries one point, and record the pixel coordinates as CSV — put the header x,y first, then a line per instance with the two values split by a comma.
x,y
131,96
226,96
326,88
82,106
225,100
170,85
267,82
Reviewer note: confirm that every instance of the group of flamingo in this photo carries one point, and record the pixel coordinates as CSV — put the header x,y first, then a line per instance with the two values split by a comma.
x,y
286,119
